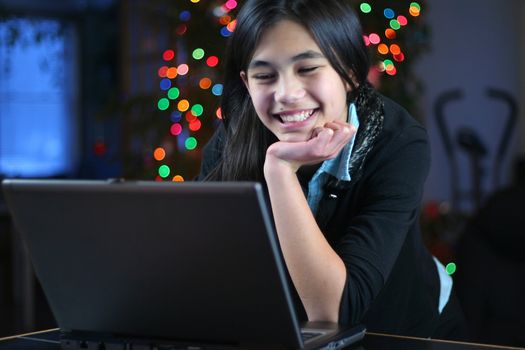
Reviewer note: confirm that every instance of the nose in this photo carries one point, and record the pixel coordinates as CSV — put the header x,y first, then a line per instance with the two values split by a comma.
x,y
289,90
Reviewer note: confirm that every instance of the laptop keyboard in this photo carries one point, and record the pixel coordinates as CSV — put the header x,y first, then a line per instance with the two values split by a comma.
x,y
307,335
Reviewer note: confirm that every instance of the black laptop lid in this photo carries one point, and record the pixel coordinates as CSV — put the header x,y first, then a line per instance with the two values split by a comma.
x,y
188,261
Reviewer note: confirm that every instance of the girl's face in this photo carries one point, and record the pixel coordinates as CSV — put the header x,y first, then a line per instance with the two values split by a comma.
x,y
292,85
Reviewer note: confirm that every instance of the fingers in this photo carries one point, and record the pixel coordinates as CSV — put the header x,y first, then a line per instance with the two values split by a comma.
x,y
335,136
326,143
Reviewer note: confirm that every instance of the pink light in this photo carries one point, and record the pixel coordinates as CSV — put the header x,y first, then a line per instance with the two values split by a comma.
x,y
183,69
374,38
176,129
231,4
367,41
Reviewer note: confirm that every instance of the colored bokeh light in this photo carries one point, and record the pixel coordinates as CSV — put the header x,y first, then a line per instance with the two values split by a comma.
x,y
195,125
159,154
197,110
231,26
205,83
176,116
224,20
365,7
190,117
164,171
190,143
382,49
217,89
185,16
390,33
374,38
163,71
230,4
394,24
225,32
212,61
176,129
163,104
183,69
183,105
181,29
198,54
366,40
171,73
414,9
389,13
165,84
395,49
399,57
178,178
451,268
168,55
173,93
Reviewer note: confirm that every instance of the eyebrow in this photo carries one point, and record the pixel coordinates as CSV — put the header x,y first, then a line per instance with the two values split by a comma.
x,y
302,56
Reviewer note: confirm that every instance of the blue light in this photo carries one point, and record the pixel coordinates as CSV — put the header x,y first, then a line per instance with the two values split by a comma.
x,y
225,32
185,16
176,116
217,89
165,84
389,13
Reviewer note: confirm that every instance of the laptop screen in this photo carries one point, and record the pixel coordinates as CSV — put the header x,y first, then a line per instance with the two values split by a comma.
x,y
164,260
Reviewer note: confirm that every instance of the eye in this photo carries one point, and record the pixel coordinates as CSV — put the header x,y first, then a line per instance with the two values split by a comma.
x,y
309,69
263,77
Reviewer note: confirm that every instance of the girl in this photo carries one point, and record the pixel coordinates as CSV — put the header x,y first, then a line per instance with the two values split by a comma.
x,y
344,168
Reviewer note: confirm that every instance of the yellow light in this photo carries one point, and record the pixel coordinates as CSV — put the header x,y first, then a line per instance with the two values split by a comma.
x,y
382,49
183,105
178,178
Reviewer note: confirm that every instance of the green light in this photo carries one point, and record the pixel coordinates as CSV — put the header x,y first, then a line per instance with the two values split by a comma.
x,y
365,7
198,54
191,143
197,110
388,62
451,268
173,93
163,104
416,5
394,24
164,171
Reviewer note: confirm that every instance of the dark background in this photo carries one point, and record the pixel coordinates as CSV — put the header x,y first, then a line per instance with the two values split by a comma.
x,y
469,48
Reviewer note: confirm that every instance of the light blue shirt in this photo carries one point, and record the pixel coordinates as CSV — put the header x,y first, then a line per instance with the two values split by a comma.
x,y
339,168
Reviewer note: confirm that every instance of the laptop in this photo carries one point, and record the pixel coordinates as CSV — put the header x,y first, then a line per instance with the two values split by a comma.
x,y
152,265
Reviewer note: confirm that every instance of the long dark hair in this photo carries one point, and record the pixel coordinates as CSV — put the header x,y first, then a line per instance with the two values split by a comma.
x,y
336,29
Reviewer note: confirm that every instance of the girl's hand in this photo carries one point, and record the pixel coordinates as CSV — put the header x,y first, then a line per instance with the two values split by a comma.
x,y
326,143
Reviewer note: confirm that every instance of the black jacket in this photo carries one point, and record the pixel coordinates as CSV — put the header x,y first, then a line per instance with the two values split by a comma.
x,y
372,223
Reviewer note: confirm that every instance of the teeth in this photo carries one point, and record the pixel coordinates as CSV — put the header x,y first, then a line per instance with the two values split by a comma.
x,y
299,117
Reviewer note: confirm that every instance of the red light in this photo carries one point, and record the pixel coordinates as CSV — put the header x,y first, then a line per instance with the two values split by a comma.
x,y
168,55
212,61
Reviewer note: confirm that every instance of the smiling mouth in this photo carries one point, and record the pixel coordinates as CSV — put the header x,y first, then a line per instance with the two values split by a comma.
x,y
295,117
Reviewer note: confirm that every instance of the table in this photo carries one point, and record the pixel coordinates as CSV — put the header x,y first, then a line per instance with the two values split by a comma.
x,y
48,340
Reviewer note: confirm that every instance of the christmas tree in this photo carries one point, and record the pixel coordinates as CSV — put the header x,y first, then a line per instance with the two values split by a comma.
x,y
190,71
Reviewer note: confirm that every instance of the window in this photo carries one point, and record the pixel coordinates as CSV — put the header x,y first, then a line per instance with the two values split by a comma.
x,y
38,97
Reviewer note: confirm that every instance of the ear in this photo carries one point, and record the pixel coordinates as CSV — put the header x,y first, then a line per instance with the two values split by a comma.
x,y
244,79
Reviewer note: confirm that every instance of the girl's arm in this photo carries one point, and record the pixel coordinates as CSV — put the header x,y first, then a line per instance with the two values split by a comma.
x,y
318,273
